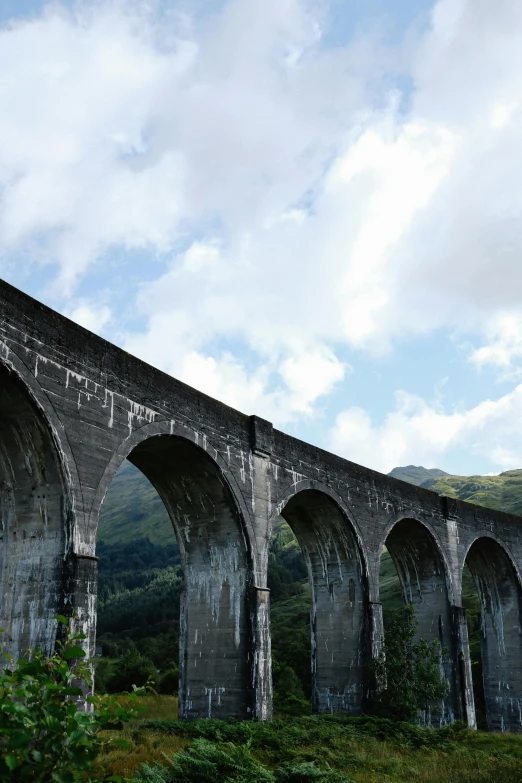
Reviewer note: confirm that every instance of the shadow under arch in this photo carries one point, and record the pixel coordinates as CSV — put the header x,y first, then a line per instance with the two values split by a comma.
x,y
35,516
215,613
425,584
339,615
498,584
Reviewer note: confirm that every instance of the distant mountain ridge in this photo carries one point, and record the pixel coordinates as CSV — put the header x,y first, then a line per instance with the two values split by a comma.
x,y
502,492
416,474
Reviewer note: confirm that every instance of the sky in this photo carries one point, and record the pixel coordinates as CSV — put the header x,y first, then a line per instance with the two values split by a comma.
x,y
309,210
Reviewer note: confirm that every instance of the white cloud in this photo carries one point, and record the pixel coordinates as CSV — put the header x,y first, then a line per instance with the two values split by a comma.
x,y
185,311
297,203
310,375
77,97
503,344
277,391
424,434
406,233
91,316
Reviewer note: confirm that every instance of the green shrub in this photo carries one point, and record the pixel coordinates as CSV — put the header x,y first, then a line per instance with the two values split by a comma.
x,y
289,698
168,682
291,706
103,670
132,669
308,772
44,736
407,673
206,762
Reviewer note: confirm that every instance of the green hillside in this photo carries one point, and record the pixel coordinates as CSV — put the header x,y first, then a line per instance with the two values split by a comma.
x,y
132,509
416,474
503,492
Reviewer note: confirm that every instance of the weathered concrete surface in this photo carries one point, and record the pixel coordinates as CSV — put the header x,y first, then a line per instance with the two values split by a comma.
x,y
73,407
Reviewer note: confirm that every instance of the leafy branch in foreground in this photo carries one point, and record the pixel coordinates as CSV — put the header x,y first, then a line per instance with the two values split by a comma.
x,y
409,672
45,736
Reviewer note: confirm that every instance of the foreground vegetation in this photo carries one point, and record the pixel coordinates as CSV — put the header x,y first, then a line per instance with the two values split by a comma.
x,y
46,738
328,749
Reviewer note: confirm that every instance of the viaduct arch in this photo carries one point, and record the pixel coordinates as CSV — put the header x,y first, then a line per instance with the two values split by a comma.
x,y
73,406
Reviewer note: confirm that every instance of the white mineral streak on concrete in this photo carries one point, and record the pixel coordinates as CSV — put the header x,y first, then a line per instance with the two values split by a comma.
x,y
38,358
455,529
105,405
204,442
242,471
331,542
4,351
208,583
251,474
77,377
262,668
453,542
209,692
186,527
43,512
228,454
408,554
515,705
491,606
196,437
296,477
111,420
139,412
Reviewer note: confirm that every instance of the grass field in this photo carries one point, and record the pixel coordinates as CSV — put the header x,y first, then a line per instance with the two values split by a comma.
x,y
365,749
143,745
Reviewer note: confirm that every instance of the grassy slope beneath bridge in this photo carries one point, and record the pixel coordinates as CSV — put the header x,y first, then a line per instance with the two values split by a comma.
x,y
326,749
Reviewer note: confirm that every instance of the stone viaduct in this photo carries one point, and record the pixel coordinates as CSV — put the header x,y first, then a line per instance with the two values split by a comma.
x,y
73,407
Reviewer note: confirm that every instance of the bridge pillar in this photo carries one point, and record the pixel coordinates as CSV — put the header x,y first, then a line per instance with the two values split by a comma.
x,y
262,655
35,522
339,615
376,623
466,700
261,445
500,633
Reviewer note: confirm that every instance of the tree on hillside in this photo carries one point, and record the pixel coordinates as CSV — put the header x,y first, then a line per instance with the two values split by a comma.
x,y
407,672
